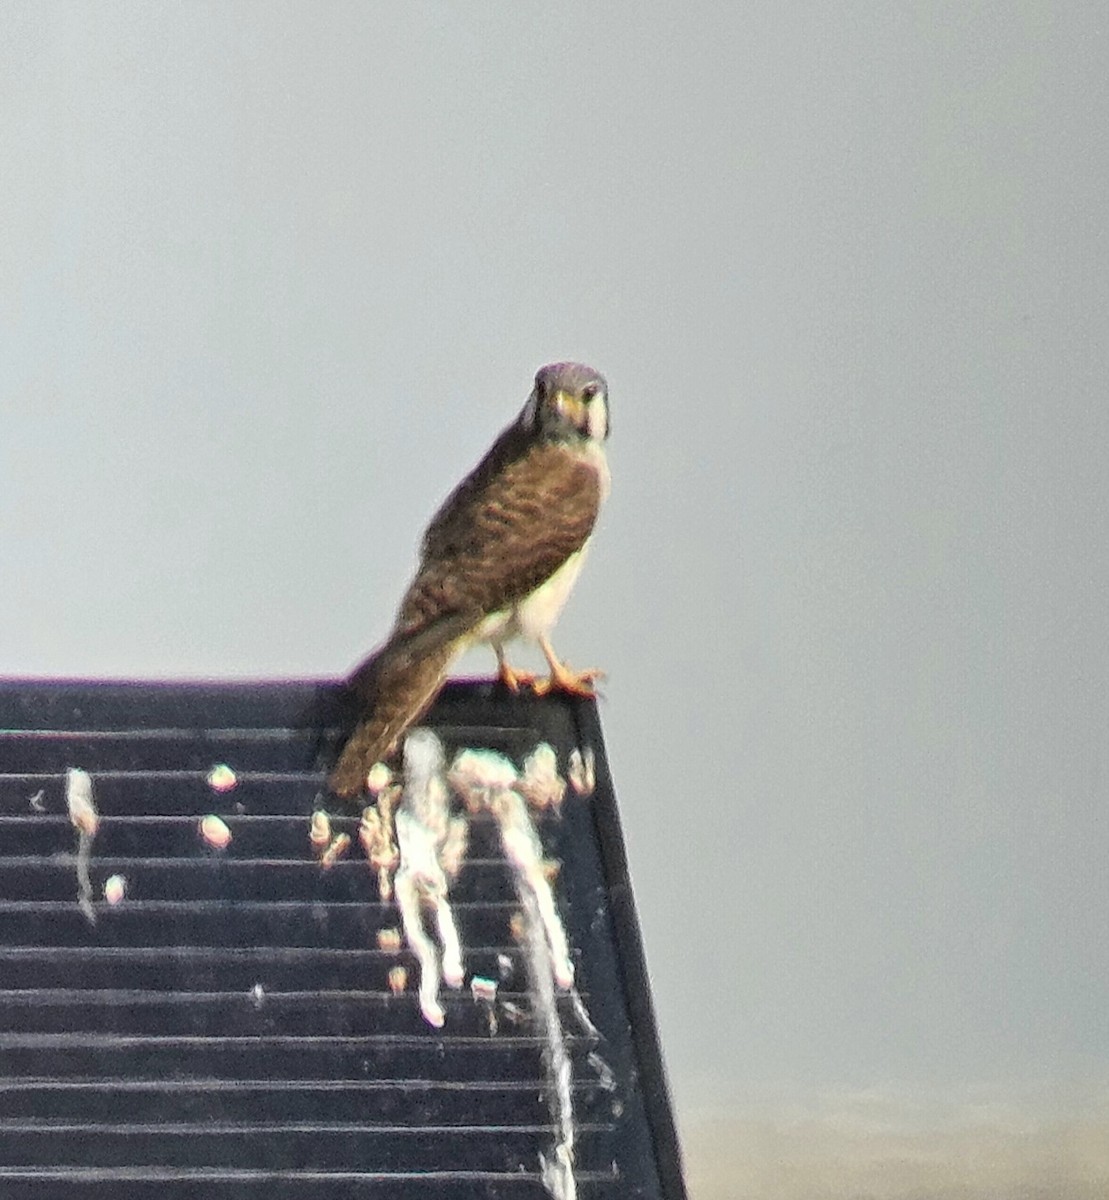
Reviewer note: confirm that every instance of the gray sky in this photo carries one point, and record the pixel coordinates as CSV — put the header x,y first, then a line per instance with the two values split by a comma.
x,y
272,277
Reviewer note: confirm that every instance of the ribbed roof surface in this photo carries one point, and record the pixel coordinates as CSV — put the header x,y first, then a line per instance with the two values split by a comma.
x,y
178,1019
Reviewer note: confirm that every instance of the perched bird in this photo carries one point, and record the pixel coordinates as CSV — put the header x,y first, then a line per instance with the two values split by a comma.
x,y
498,562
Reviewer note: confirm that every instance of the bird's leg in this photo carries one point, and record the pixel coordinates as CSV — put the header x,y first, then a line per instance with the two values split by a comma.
x,y
562,678
511,678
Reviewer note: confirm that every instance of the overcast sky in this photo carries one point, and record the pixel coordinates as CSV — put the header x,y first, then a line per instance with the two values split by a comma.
x,y
273,276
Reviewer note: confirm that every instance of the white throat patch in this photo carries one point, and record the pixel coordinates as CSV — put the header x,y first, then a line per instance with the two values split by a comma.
x,y
598,418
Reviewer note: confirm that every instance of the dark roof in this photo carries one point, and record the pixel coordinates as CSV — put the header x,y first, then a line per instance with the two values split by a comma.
x,y
229,1026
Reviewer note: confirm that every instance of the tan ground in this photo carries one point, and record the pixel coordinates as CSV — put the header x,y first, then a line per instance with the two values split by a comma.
x,y
983,1154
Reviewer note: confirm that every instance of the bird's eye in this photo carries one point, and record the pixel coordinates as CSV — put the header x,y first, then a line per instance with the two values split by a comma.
x,y
589,392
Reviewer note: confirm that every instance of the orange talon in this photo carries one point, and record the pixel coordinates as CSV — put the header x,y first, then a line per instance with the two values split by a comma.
x,y
512,679
562,678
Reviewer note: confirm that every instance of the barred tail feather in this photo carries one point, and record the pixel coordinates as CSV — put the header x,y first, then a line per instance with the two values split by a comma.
x,y
397,689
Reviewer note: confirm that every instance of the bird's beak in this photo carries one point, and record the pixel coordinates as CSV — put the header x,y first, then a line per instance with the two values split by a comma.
x,y
572,409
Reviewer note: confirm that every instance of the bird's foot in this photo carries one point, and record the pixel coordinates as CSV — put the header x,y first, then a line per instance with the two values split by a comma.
x,y
515,680
564,679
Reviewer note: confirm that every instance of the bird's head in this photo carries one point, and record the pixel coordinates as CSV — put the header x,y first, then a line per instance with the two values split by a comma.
x,y
568,403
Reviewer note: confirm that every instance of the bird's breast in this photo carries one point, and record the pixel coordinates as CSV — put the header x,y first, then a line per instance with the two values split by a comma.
x,y
536,614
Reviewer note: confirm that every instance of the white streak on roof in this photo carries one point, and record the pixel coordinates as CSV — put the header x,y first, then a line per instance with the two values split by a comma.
x,y
338,847
376,837
86,820
78,799
541,783
476,771
582,771
424,830
605,1076
525,853
319,830
488,781
557,1170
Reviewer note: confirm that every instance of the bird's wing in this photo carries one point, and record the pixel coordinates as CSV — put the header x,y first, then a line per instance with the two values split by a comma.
x,y
454,517
496,540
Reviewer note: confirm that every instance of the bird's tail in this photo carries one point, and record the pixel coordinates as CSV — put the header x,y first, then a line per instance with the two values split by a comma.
x,y
394,689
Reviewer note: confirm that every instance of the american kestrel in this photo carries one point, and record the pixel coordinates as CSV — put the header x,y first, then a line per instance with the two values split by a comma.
x,y
498,562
